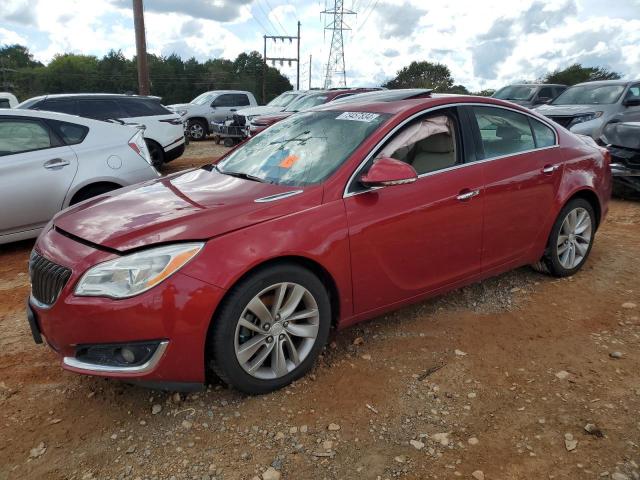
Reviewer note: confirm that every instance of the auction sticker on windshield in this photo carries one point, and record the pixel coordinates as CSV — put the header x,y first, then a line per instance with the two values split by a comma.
x,y
358,116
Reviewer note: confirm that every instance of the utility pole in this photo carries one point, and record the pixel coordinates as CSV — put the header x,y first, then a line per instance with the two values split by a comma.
x,y
310,57
298,63
141,48
335,23
275,39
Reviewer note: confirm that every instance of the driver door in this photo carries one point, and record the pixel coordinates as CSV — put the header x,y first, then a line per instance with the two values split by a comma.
x,y
412,239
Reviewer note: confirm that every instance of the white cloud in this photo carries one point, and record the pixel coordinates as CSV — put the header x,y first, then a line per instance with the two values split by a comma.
x,y
485,44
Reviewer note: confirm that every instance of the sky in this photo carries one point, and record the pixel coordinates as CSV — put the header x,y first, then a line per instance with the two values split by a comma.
x,y
485,44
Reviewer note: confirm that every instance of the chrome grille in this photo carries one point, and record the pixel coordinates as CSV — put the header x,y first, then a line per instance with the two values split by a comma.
x,y
47,278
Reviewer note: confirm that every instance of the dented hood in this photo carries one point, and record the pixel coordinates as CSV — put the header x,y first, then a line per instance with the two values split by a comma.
x,y
195,205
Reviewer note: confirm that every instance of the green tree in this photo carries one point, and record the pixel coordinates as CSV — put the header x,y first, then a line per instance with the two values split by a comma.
x,y
423,75
171,77
576,73
487,92
459,89
17,56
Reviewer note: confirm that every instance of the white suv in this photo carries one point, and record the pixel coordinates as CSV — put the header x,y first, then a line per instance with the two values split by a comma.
x,y
164,131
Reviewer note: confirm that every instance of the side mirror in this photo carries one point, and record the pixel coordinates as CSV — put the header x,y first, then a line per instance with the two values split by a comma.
x,y
388,171
631,102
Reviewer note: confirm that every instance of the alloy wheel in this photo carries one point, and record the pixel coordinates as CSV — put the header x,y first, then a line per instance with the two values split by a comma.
x,y
277,330
574,238
196,131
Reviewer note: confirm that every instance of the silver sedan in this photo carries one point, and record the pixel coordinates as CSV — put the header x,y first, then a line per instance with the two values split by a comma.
x,y
49,161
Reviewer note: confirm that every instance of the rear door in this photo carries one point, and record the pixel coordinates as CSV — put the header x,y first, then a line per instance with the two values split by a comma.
x,y
36,171
522,172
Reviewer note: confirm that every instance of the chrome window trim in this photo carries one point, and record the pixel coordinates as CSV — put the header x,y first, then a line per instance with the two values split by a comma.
x,y
346,192
144,368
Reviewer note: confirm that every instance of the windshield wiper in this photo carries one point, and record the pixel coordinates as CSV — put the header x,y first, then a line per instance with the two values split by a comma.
x,y
245,176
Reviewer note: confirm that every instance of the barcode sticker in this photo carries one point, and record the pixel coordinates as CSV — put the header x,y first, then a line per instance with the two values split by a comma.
x,y
366,117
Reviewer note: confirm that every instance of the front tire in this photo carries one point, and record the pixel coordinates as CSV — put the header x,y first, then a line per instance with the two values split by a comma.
x,y
571,239
197,130
270,329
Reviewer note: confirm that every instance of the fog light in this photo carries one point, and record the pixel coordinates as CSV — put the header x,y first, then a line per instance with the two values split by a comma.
x,y
128,355
117,354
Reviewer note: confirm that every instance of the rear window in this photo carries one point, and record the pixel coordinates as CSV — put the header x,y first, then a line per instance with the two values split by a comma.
x,y
100,109
142,107
60,106
71,133
4,103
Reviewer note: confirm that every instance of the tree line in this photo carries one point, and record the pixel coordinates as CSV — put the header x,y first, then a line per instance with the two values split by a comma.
x,y
438,77
178,81
173,79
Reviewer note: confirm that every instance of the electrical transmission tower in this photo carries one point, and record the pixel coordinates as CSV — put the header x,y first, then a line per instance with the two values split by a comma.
x,y
335,23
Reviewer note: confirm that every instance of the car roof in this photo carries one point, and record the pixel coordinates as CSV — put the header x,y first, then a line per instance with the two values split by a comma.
x,y
226,91
608,82
93,95
414,99
63,117
534,85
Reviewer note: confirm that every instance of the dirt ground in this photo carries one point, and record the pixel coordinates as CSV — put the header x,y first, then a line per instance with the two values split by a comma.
x,y
495,381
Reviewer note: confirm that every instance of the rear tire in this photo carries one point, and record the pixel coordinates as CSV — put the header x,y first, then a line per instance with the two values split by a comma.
x,y
570,240
197,130
260,352
92,191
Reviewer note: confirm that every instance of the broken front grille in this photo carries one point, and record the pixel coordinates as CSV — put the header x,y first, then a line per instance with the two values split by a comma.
x,y
47,278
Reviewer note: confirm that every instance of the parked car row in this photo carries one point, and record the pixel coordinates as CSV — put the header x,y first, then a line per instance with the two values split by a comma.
x,y
163,132
330,216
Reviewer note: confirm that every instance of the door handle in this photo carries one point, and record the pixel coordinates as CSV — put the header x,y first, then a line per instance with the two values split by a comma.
x,y
466,194
549,169
233,109
55,163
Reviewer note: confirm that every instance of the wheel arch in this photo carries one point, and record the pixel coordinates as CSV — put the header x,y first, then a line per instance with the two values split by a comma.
x,y
83,188
312,265
591,197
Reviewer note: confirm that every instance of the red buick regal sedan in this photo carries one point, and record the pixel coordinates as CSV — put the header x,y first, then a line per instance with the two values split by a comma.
x,y
328,218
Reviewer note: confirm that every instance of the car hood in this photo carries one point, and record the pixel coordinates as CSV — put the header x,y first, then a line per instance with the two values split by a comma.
x,y
263,110
270,119
568,110
195,205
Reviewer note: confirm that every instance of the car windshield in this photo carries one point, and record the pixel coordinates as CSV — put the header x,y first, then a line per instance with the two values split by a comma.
x,y
302,150
515,92
206,97
282,100
306,102
590,95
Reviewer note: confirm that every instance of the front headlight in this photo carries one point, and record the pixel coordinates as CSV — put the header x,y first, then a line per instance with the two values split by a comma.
x,y
587,117
135,273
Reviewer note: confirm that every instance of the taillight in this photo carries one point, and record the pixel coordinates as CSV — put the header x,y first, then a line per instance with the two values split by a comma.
x,y
135,148
137,145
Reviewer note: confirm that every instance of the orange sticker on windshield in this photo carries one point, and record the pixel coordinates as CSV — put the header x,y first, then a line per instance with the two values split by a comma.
x,y
289,161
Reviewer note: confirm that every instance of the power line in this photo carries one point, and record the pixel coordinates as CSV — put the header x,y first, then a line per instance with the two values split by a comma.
x,y
276,17
367,17
266,15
